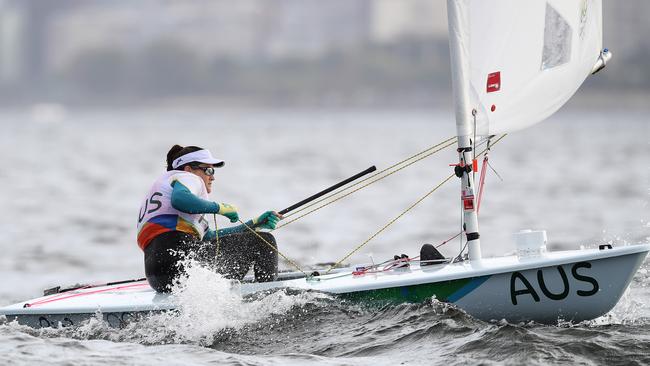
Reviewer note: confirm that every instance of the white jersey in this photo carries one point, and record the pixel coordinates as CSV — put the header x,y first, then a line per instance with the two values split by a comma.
x,y
157,215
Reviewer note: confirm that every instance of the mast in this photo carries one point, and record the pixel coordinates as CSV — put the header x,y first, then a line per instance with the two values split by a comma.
x,y
460,70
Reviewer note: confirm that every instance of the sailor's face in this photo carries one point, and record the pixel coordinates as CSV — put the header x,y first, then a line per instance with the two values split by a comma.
x,y
202,172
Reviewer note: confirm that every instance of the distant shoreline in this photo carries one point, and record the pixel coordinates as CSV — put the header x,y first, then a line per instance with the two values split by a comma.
x,y
637,100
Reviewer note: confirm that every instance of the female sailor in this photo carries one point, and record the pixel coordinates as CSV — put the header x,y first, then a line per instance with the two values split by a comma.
x,y
172,226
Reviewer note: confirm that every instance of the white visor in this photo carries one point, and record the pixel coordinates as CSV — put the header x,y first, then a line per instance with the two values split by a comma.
x,y
200,156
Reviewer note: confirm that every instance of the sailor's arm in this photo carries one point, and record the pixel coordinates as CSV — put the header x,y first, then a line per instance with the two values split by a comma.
x,y
267,220
184,200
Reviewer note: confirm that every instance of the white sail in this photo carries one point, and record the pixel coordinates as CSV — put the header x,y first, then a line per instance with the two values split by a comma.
x,y
526,57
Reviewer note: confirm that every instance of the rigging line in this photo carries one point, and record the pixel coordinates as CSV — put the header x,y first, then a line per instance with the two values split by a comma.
x,y
448,240
494,143
484,152
459,257
370,177
380,230
216,230
474,112
365,185
482,142
274,248
391,222
462,226
495,172
481,185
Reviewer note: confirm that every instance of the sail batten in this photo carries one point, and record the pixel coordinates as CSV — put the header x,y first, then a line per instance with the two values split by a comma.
x,y
525,59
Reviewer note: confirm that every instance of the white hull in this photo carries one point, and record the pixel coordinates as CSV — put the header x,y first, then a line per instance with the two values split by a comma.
x,y
569,285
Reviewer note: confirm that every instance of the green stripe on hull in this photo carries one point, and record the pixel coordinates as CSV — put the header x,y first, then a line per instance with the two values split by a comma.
x,y
419,293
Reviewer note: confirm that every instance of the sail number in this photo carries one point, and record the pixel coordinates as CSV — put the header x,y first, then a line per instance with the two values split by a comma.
x,y
114,319
517,280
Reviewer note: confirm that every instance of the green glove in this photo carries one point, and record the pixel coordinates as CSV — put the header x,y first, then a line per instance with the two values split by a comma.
x,y
267,220
229,211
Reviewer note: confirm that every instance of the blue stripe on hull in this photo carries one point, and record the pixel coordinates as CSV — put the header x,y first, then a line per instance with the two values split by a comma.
x,y
471,286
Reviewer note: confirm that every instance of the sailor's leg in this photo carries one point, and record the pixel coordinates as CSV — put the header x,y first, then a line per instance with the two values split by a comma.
x,y
162,257
237,252
234,258
204,252
266,258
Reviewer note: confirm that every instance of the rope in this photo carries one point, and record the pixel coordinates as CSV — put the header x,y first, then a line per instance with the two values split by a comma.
x,y
391,222
448,142
372,176
480,197
482,180
407,210
274,248
216,230
448,240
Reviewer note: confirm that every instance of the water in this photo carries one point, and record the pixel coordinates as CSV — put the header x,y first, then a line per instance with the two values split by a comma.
x,y
72,186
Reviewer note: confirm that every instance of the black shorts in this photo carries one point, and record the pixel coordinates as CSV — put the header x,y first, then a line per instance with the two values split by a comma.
x,y
237,253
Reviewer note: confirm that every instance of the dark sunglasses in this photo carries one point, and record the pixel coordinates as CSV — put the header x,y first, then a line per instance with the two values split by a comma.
x,y
209,171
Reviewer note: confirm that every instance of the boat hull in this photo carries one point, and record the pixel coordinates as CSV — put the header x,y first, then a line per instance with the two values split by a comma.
x,y
575,291
569,285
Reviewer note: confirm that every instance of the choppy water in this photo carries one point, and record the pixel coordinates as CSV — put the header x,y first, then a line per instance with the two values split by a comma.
x,y
72,187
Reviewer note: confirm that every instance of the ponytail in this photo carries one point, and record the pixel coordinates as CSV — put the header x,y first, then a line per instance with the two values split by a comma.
x,y
176,152
173,155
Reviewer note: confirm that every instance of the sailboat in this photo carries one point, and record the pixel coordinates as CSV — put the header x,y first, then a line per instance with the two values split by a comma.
x,y
514,63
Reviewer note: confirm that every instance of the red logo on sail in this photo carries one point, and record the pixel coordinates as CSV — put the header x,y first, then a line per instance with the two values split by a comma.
x,y
494,82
